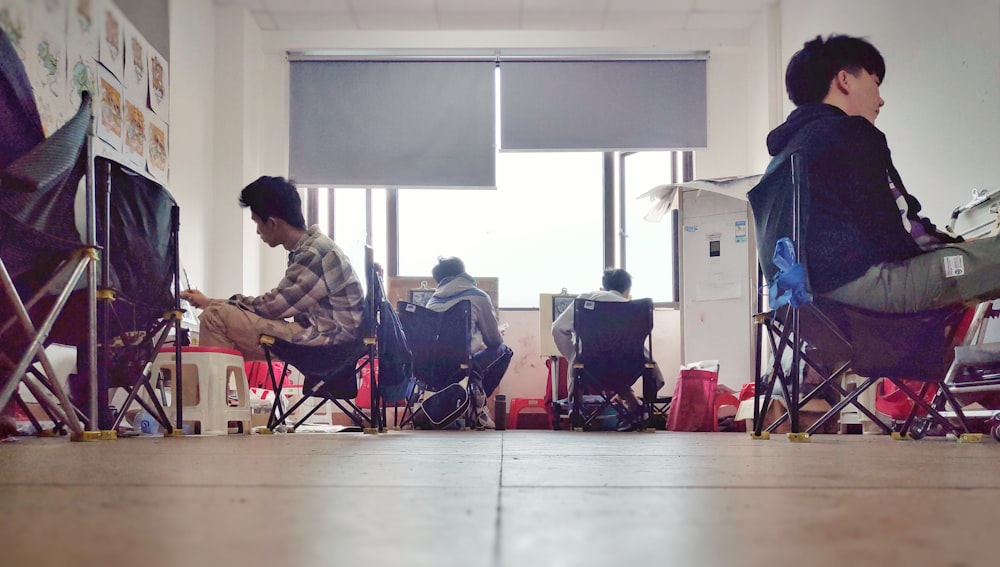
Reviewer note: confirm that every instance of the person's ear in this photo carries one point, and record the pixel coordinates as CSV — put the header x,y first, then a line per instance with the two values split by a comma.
x,y
842,81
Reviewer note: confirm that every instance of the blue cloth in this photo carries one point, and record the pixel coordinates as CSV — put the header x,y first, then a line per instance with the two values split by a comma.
x,y
789,285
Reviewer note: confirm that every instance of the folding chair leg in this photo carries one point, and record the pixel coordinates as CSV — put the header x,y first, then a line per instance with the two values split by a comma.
x,y
31,417
36,347
964,436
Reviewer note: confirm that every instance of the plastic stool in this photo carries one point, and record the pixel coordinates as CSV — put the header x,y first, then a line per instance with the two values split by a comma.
x,y
517,405
206,373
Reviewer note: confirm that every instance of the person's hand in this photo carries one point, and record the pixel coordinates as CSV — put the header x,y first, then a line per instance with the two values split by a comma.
x,y
195,298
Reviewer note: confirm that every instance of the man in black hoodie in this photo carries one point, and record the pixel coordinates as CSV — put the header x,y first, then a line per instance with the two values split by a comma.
x,y
865,243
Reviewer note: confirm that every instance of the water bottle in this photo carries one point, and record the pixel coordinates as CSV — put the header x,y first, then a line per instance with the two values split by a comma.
x,y
500,412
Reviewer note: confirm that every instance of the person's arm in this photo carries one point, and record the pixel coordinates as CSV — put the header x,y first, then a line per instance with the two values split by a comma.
x,y
935,236
300,289
487,321
562,333
197,299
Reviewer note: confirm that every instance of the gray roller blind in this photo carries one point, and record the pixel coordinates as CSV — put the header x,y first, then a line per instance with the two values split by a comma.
x,y
393,123
603,105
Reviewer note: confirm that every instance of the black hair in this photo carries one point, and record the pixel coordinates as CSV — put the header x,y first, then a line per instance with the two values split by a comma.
x,y
447,267
810,70
274,197
616,279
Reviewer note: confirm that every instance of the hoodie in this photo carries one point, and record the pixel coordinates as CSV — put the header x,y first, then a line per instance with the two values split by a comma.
x,y
852,219
451,290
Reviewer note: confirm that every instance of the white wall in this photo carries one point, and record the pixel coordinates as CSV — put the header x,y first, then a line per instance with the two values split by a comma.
x,y
765,80
192,132
941,90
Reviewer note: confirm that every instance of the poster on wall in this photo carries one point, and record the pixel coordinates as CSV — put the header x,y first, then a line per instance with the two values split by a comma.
x,y
47,67
135,133
81,75
81,28
156,147
15,22
136,81
81,51
109,108
159,84
112,40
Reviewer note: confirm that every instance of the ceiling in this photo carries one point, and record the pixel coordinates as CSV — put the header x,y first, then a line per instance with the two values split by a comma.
x,y
555,15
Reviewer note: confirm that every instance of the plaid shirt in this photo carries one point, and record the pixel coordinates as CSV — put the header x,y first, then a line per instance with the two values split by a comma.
x,y
320,291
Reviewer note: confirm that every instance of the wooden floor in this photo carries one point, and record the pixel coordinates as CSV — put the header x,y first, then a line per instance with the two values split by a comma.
x,y
513,498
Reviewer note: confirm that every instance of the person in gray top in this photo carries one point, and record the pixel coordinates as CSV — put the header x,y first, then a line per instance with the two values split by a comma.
x,y
490,356
616,286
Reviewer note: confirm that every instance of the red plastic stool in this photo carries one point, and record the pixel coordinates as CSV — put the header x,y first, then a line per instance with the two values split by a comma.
x,y
258,377
517,405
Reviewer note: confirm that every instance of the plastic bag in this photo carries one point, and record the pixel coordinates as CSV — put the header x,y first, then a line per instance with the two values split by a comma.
x,y
693,404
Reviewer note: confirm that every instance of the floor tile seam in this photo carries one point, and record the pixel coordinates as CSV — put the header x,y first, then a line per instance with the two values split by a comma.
x,y
21,485
497,551
749,487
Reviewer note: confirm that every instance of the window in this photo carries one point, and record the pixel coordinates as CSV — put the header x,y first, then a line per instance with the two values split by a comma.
x,y
358,218
554,222
647,249
540,231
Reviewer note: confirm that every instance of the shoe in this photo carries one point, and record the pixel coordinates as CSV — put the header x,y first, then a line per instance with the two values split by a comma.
x,y
630,420
627,424
484,421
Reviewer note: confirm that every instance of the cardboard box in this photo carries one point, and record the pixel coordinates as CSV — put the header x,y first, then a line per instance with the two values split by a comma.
x,y
808,415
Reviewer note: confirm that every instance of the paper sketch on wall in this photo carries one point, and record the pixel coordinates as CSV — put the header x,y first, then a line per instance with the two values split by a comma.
x,y
136,81
112,42
156,148
81,51
82,30
82,77
135,133
14,21
47,68
159,84
109,110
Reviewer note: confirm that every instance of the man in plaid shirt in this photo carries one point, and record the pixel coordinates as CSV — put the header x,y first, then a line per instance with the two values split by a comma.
x,y
320,291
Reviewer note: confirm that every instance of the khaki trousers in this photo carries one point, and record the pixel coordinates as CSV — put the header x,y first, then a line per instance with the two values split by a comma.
x,y
225,325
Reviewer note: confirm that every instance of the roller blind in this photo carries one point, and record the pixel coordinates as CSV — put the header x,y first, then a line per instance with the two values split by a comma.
x,y
603,105
393,123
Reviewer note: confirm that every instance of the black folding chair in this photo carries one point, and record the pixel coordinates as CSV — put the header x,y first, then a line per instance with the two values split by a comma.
x,y
832,338
440,343
48,269
613,349
332,372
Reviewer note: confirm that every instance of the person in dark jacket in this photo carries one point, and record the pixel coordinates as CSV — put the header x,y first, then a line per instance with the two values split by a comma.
x,y
865,243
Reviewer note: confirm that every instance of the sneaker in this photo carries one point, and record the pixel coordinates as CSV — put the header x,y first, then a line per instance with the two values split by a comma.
x,y
626,425
484,421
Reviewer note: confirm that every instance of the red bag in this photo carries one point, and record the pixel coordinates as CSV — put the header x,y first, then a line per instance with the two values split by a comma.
x,y
891,401
364,399
693,404
257,376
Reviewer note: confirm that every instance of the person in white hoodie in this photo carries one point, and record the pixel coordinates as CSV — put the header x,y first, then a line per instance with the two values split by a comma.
x,y
490,356
616,285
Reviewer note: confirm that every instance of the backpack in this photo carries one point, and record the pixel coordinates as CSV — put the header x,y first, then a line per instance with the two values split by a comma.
x,y
443,407
395,360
